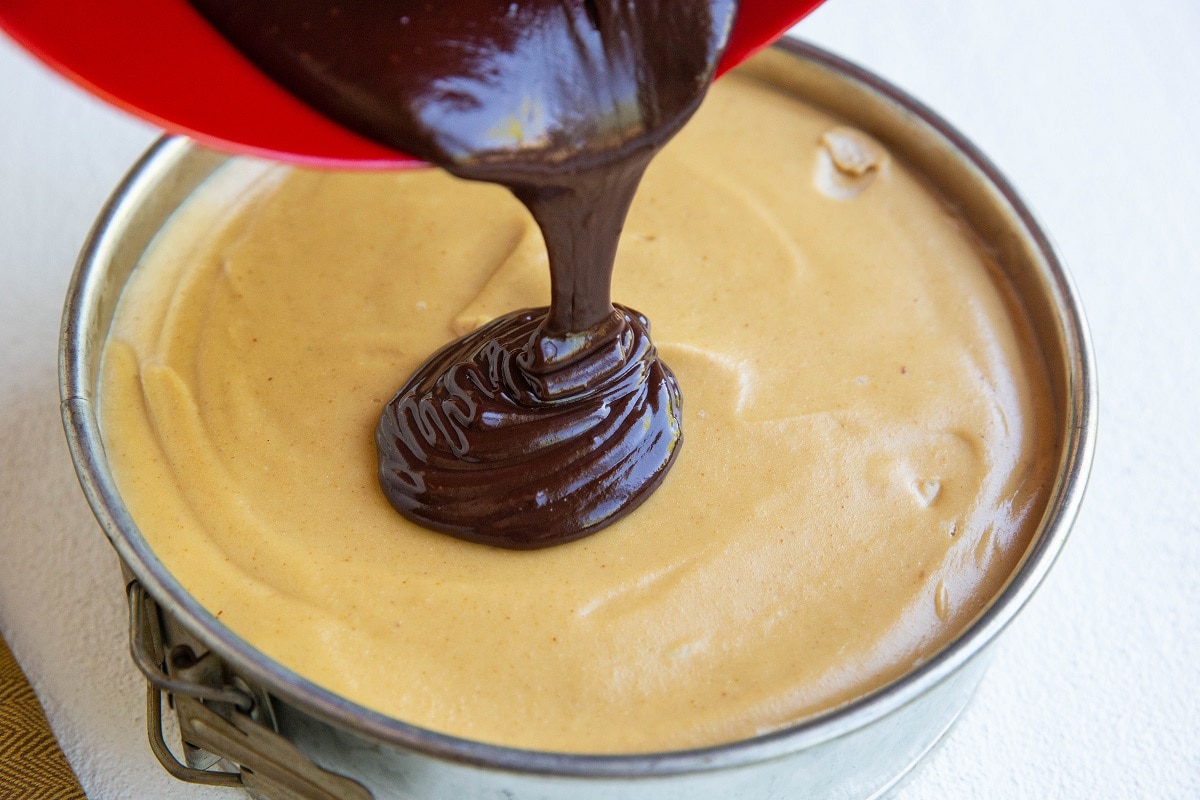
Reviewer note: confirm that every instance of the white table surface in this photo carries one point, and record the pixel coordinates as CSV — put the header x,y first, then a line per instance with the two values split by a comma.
x,y
1092,108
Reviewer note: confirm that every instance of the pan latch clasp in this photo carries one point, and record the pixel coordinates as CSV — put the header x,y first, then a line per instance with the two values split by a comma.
x,y
222,721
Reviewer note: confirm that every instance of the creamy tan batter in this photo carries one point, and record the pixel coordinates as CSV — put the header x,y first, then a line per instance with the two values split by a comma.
x,y
863,465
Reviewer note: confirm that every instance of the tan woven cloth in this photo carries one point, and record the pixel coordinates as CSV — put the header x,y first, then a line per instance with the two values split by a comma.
x,y
32,767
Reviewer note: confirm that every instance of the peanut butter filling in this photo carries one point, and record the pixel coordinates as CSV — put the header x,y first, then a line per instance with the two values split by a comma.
x,y
866,421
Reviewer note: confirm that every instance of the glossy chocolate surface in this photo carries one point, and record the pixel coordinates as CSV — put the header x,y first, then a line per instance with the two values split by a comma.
x,y
545,425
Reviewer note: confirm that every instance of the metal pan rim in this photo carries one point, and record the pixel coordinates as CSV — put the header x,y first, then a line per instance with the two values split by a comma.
x,y
78,349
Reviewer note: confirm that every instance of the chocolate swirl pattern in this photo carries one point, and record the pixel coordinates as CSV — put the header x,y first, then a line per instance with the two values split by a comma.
x,y
509,437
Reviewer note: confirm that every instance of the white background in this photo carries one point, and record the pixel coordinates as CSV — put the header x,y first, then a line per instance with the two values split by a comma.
x,y
1091,107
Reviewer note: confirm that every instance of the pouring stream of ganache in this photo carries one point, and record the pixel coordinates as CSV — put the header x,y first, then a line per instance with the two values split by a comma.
x,y
547,424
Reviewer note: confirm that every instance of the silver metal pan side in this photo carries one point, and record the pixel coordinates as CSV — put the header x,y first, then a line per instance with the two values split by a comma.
x,y
859,750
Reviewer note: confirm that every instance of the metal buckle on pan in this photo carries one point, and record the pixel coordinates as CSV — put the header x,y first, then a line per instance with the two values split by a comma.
x,y
220,722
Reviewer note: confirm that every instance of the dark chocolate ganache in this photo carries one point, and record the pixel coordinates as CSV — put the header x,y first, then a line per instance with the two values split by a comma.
x,y
546,424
